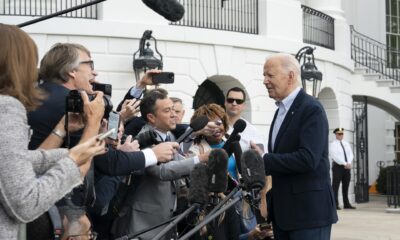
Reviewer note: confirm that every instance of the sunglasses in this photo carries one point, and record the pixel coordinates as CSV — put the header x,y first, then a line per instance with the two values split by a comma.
x,y
238,101
339,133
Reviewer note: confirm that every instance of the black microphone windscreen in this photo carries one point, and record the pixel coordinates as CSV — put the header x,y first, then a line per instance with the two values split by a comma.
x,y
169,9
198,190
239,125
217,171
199,123
253,170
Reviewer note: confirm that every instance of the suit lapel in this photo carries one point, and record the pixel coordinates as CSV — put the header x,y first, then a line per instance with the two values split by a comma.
x,y
289,116
271,129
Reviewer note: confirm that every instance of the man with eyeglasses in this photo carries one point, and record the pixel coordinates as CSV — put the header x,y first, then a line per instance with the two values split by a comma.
x,y
235,104
341,154
76,225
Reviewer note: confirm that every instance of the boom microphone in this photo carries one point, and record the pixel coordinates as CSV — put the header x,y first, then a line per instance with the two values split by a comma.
x,y
253,172
169,9
195,125
217,171
238,127
198,191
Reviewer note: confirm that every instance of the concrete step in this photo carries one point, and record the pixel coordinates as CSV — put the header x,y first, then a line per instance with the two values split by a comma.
x,y
360,70
395,89
372,76
384,82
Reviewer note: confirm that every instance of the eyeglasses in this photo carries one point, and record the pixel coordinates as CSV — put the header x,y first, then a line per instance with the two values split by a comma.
x,y
90,63
238,101
91,236
339,133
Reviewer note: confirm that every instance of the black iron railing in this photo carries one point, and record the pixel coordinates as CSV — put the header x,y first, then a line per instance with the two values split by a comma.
x,y
375,56
232,15
393,186
318,28
46,7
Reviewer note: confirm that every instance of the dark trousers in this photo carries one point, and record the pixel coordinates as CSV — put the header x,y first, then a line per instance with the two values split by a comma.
x,y
340,174
319,233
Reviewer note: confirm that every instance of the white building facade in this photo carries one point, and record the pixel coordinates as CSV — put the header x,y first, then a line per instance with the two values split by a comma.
x,y
234,58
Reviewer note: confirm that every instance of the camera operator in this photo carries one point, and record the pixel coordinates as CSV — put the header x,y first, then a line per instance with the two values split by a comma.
x,y
66,67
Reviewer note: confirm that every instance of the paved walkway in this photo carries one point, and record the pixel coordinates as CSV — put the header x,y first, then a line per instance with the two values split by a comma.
x,y
368,221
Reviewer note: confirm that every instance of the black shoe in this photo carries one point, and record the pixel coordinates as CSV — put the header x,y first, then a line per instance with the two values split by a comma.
x,y
349,207
338,208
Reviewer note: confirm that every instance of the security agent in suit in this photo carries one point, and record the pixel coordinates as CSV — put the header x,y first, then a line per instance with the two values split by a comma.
x,y
155,194
342,156
302,203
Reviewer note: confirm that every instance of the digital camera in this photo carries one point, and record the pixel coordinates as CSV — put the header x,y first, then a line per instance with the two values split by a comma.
x,y
74,102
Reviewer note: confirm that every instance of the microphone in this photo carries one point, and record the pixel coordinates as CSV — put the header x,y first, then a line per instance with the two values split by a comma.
x,y
148,138
198,190
172,10
253,173
195,125
237,151
238,127
217,171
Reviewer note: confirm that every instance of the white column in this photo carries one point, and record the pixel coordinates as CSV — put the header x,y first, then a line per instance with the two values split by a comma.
x,y
281,19
342,30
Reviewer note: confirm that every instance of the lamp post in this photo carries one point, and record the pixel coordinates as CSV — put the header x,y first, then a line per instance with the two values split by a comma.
x,y
144,59
311,78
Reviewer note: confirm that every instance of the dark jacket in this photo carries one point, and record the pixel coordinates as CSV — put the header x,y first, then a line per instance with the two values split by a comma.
x,y
302,196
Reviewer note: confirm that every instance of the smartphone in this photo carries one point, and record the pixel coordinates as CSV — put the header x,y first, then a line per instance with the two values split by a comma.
x,y
106,134
113,123
163,77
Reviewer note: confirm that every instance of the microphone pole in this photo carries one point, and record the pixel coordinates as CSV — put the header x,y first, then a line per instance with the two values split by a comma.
x,y
210,218
176,221
223,201
59,13
133,235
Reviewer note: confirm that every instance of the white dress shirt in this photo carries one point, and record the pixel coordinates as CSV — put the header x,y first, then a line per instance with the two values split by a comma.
x,y
284,107
336,152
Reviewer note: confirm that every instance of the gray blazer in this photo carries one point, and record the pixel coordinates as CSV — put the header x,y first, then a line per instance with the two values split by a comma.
x,y
154,199
30,181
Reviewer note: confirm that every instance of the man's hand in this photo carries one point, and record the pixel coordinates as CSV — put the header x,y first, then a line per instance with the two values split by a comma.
x,y
94,110
165,151
347,166
147,79
208,130
130,108
257,148
129,145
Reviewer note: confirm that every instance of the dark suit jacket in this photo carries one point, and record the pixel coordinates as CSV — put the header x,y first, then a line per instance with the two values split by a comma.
x,y
302,195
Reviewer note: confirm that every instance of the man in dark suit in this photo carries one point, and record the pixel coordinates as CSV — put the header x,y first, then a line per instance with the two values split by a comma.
x,y
302,202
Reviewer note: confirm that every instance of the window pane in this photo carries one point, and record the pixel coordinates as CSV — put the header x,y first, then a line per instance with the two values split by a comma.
x,y
394,8
387,7
388,24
